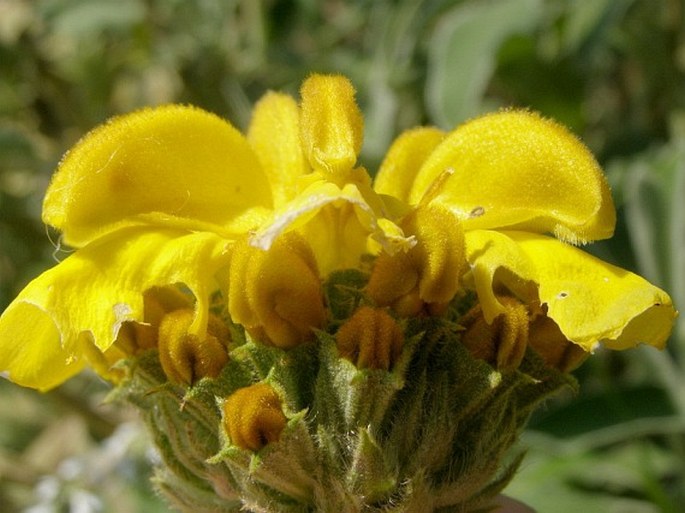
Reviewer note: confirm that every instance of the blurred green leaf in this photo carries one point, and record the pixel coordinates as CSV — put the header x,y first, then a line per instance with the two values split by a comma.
x,y
88,18
462,54
613,480
594,412
585,20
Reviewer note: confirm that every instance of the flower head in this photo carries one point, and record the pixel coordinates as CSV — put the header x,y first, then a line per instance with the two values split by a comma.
x,y
177,197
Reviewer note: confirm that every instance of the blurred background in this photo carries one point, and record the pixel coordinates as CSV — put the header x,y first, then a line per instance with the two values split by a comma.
x,y
611,70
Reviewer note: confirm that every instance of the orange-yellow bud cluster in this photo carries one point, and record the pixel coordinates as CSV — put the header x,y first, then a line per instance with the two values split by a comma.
x,y
158,302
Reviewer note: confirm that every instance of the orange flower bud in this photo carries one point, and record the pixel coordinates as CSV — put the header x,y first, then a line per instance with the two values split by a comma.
x,y
370,338
426,277
502,343
550,343
276,294
252,416
134,337
187,358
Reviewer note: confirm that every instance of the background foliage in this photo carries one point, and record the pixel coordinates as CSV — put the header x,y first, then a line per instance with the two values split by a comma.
x,y
612,70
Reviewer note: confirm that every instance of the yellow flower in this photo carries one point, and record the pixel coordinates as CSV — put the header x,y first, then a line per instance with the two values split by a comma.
x,y
159,197
510,178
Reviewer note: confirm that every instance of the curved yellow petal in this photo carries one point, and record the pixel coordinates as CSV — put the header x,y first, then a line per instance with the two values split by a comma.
x,y
595,302
96,290
337,223
274,134
498,267
31,352
332,125
404,159
514,169
157,166
337,235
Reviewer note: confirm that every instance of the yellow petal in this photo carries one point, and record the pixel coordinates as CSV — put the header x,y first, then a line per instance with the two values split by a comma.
x,y
499,266
275,136
514,169
30,350
595,302
157,166
336,222
331,124
337,235
404,159
95,291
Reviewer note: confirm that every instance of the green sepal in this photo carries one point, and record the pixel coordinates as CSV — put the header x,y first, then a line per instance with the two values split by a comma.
x,y
183,425
294,376
370,474
344,292
347,397
256,358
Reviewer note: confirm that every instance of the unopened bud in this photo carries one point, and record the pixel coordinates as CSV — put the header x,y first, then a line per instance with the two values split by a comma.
x,y
135,337
501,343
550,343
276,294
187,358
252,416
371,338
426,277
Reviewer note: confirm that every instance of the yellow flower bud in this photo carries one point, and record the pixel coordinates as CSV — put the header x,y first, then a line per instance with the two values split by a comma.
x,y
501,343
187,358
134,337
252,416
276,294
370,338
426,277
557,351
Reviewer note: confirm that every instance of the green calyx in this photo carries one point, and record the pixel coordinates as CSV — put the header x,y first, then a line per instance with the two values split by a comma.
x,y
436,432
